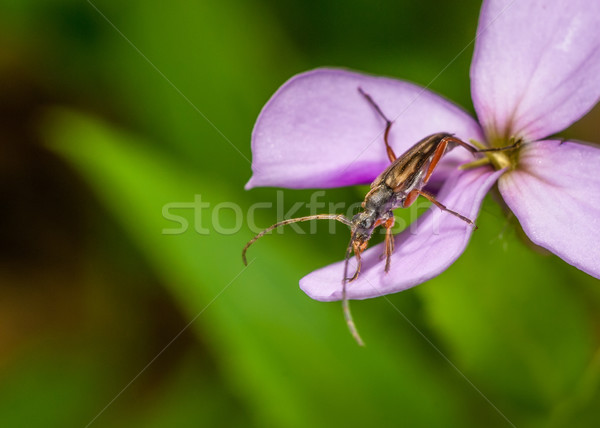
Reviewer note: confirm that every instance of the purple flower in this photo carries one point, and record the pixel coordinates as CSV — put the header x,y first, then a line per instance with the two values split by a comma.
x,y
535,71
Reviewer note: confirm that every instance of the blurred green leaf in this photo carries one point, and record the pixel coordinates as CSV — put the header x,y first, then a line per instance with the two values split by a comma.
x,y
514,319
44,389
291,358
196,73
521,327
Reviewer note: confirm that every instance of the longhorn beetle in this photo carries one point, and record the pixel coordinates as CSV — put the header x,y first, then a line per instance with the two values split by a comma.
x,y
398,186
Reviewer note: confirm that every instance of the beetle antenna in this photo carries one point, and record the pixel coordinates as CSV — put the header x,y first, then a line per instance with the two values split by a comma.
x,y
346,302
337,217
388,124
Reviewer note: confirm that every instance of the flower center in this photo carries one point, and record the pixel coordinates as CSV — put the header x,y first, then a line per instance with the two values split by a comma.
x,y
500,160
501,154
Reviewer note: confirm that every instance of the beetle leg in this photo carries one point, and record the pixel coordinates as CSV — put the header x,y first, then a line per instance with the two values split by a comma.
x,y
358,265
477,150
410,198
443,207
388,148
437,155
460,143
388,124
389,243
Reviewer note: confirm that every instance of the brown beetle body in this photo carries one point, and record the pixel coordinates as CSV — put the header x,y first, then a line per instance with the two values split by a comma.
x,y
398,186
407,171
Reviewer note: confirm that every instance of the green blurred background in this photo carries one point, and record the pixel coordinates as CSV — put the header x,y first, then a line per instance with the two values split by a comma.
x,y
98,133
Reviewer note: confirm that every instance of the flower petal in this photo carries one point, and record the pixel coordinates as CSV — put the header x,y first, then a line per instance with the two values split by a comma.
x,y
319,131
555,194
420,254
536,65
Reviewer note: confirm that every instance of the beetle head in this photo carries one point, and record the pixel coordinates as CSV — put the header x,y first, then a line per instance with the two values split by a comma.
x,y
363,224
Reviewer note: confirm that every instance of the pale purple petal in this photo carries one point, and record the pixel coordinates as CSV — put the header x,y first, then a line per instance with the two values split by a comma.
x,y
437,242
536,66
319,131
555,194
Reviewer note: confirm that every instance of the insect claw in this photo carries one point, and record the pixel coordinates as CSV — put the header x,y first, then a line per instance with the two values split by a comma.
x,y
353,277
357,271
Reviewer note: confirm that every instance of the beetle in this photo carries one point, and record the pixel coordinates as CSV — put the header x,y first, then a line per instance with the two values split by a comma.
x,y
398,186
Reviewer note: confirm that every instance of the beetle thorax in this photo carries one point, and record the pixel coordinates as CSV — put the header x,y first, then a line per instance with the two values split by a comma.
x,y
378,205
379,200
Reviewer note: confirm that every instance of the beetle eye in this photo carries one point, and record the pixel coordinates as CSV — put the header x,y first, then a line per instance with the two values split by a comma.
x,y
366,223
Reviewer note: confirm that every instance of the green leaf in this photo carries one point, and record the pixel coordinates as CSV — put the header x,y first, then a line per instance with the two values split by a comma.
x,y
516,320
290,358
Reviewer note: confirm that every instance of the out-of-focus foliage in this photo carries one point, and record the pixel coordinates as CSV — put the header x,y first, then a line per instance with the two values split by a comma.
x,y
112,111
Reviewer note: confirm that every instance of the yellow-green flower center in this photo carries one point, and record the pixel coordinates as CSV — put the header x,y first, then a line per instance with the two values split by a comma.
x,y
505,157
